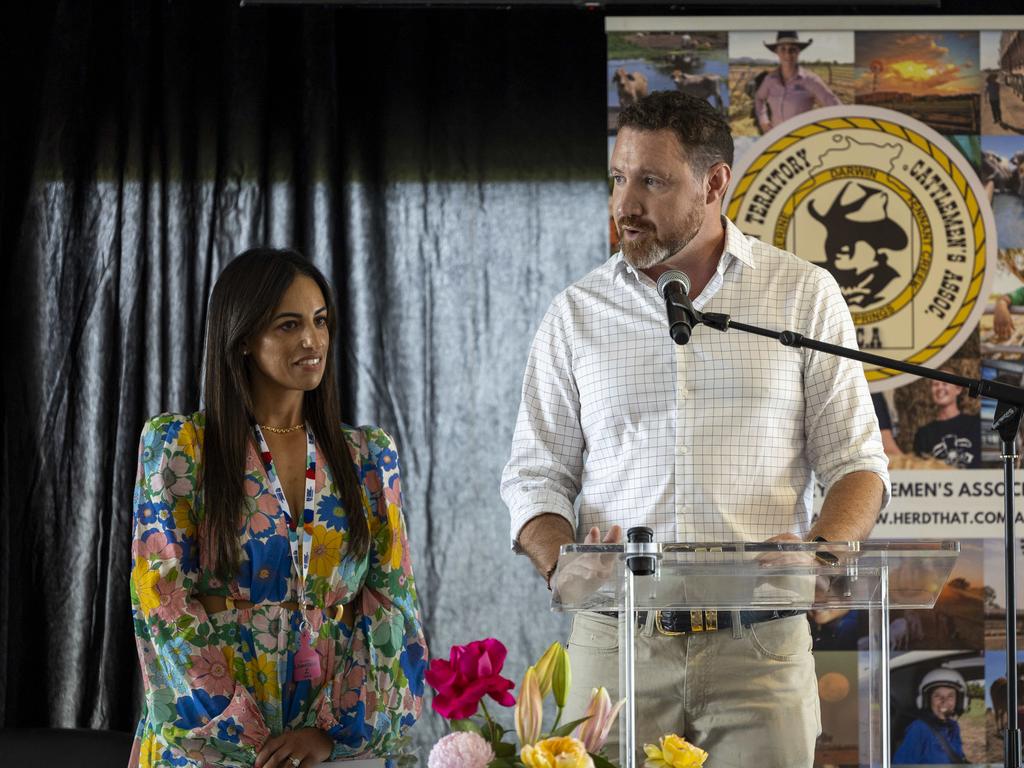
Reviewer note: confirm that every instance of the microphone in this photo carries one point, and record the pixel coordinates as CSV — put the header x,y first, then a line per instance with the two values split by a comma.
x,y
674,286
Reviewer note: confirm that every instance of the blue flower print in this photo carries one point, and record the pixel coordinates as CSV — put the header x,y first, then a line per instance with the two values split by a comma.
x,y
387,460
153,513
198,709
332,513
168,755
229,730
355,731
413,665
266,574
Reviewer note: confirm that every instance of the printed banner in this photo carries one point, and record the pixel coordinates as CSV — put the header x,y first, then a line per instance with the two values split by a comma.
x,y
895,160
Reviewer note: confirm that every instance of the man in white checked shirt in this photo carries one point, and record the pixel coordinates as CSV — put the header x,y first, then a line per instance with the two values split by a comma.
x,y
716,440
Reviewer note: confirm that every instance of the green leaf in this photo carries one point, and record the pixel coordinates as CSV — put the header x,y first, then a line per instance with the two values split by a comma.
x,y
567,728
504,749
600,761
466,725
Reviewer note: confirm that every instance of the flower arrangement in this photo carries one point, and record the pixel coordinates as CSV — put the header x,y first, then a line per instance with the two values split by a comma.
x,y
472,673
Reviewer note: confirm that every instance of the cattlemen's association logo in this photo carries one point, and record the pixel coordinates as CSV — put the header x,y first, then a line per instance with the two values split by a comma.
x,y
893,210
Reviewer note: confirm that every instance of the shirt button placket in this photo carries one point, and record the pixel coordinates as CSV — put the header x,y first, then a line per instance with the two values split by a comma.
x,y
683,416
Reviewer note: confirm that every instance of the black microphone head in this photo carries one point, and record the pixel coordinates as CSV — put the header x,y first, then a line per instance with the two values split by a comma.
x,y
673,276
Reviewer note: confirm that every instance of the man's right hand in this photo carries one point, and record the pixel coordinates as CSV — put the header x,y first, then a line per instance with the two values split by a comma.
x,y
585,574
614,536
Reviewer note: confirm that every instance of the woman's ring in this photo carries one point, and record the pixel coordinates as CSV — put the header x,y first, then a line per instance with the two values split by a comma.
x,y
294,762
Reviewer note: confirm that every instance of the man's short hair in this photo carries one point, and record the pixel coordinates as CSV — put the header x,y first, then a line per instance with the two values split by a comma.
x,y
701,129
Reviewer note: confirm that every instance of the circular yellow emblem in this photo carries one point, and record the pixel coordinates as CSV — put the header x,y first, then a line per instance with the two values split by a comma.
x,y
890,208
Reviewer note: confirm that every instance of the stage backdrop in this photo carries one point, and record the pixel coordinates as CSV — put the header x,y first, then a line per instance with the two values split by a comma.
x,y
895,160
447,182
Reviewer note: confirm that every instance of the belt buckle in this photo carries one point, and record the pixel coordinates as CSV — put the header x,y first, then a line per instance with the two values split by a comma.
x,y
700,621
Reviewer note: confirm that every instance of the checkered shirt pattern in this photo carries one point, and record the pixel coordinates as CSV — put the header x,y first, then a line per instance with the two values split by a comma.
x,y
717,440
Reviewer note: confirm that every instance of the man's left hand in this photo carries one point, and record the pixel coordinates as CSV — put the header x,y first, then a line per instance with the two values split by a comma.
x,y
308,746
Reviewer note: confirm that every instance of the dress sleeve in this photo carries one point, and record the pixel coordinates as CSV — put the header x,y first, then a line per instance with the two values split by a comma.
x,y
193,702
377,693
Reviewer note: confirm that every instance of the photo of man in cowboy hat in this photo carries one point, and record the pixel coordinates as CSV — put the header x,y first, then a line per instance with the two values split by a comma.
x,y
789,89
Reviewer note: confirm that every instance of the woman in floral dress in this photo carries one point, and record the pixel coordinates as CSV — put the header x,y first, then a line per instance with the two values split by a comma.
x,y
244,661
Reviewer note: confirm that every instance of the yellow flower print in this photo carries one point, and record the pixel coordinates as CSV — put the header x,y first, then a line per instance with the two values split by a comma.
x,y
147,750
145,582
263,673
325,553
674,752
394,556
183,517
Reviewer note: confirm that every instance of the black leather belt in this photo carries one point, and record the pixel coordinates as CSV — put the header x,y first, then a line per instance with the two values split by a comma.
x,y
693,622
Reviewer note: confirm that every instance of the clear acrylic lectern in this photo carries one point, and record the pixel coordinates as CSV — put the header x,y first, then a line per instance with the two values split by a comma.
x,y
721,577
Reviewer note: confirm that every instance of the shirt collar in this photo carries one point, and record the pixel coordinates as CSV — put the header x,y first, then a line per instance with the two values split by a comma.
x,y
736,247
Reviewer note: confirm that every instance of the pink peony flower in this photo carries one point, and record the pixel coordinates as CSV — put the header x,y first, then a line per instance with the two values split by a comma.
x,y
463,749
471,672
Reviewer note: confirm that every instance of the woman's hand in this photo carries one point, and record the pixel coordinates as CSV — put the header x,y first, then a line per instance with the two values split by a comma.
x,y
302,748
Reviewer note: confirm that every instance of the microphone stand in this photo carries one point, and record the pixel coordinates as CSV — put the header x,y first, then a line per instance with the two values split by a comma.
x,y
1009,406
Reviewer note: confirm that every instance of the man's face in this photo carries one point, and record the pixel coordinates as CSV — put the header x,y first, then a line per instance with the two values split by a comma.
x,y
658,204
943,702
944,394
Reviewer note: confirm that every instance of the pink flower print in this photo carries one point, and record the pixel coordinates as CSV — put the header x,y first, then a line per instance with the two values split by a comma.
x,y
257,512
393,492
172,600
174,479
210,672
157,544
201,752
266,630
372,482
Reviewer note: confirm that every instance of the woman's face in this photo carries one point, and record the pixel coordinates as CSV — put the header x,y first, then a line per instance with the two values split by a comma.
x,y
290,353
943,702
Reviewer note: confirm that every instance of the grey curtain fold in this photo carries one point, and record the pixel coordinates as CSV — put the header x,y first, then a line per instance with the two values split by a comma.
x,y
446,170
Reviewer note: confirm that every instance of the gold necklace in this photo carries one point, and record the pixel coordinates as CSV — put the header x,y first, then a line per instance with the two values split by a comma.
x,y
281,430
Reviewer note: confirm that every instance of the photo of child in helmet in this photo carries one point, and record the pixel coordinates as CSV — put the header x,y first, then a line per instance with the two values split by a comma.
x,y
934,737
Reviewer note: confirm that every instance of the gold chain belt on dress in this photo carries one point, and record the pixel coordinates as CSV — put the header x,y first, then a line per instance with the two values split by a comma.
x,y
217,603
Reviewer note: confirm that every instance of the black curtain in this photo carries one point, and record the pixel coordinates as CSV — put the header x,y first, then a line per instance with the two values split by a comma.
x,y
446,170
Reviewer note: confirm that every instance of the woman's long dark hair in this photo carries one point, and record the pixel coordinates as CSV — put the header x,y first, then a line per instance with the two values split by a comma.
x,y
243,302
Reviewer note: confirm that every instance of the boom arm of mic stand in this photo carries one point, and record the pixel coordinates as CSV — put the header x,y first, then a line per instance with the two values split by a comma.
x,y
1009,406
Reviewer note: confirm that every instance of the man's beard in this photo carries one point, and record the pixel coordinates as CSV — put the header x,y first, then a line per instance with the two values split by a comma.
x,y
649,251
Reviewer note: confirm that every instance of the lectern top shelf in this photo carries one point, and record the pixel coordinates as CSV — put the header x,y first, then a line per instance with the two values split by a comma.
x,y
738,575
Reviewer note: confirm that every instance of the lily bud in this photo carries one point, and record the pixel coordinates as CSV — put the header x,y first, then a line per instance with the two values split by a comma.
x,y
529,713
601,715
561,676
546,668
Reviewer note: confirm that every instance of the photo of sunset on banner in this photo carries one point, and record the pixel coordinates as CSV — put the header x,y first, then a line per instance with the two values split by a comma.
x,y
932,76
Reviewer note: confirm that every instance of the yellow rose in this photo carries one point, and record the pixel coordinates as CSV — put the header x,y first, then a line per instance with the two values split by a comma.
x,y
674,752
557,752
144,580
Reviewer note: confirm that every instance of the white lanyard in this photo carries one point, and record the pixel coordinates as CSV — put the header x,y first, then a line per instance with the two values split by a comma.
x,y
307,513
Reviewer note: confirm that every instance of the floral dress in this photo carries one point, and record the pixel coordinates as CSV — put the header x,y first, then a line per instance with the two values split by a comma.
x,y
218,685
